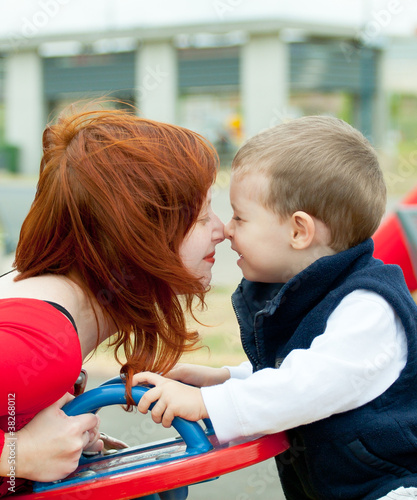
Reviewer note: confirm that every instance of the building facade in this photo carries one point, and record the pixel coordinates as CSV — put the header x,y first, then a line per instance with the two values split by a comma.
x,y
227,81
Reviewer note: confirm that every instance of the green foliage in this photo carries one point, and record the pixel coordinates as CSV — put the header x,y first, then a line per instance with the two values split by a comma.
x,y
2,123
9,158
403,113
347,106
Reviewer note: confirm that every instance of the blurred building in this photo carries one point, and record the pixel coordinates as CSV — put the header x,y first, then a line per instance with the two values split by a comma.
x,y
226,80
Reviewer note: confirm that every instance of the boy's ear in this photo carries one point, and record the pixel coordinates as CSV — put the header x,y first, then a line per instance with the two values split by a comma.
x,y
303,230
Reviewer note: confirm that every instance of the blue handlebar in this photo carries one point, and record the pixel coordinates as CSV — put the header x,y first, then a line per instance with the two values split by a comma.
x,y
114,394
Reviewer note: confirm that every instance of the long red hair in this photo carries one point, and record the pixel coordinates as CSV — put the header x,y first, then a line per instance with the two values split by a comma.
x,y
116,196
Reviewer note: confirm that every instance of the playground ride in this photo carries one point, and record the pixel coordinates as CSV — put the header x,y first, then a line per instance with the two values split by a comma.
x,y
158,471
396,239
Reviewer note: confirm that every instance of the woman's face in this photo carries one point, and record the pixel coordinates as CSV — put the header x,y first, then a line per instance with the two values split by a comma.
x,y
198,248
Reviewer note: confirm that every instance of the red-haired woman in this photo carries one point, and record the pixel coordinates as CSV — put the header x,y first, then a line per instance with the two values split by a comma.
x,y
120,234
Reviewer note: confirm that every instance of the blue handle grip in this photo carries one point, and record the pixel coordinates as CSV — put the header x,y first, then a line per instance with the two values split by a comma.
x,y
114,394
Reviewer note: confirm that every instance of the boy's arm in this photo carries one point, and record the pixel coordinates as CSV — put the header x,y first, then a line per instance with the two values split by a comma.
x,y
178,400
198,375
244,370
205,376
342,370
339,372
173,399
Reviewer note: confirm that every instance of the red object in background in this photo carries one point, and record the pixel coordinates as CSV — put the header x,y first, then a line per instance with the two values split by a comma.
x,y
391,244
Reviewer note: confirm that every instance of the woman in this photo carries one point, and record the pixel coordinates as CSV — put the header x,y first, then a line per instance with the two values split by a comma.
x,y
119,240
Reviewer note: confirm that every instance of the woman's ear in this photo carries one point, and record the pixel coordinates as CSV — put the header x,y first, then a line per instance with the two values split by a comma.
x,y
303,230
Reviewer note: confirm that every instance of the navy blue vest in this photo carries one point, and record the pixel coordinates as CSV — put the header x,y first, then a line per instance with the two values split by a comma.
x,y
362,453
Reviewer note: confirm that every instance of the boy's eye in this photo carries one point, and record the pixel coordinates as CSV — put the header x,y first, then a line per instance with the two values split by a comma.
x,y
236,217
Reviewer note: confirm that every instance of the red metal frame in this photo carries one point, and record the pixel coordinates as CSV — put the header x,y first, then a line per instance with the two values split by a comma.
x,y
156,478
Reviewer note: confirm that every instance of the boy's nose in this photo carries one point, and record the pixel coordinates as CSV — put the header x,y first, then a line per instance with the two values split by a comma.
x,y
228,230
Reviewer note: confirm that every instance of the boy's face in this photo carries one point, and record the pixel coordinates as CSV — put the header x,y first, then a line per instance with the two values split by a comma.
x,y
257,234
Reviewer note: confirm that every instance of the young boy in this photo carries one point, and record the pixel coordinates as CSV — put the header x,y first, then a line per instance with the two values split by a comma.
x,y
329,331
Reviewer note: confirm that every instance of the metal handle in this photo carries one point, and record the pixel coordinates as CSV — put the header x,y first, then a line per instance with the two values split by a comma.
x,y
114,394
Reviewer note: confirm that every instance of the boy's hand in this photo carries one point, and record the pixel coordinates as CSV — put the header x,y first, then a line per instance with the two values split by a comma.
x,y
173,399
111,443
198,375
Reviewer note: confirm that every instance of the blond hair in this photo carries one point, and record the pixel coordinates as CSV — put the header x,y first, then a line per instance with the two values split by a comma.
x,y
324,167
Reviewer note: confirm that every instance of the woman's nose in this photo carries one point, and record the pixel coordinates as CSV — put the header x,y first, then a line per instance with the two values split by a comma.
x,y
218,232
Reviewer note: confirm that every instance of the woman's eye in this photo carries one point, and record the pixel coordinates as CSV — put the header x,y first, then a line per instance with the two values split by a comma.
x,y
204,220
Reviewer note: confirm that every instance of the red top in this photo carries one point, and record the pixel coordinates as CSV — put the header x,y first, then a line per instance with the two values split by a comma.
x,y
40,361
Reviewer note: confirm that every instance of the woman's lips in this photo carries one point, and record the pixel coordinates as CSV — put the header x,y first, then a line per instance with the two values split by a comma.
x,y
210,258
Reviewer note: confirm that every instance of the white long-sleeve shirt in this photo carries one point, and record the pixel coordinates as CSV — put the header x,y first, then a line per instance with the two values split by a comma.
x,y
357,358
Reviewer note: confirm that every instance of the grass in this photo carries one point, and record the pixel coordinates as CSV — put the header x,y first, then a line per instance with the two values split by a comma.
x,y
219,332
218,329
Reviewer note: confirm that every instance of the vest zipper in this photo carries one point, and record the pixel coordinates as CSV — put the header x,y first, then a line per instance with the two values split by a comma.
x,y
244,345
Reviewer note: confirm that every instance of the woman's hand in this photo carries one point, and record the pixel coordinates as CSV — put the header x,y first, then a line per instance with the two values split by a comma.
x,y
49,446
198,375
173,399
